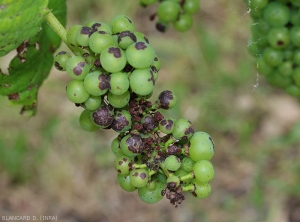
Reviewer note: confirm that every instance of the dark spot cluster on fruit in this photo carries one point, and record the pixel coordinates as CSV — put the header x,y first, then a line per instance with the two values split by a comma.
x,y
119,122
125,34
143,176
161,27
97,63
115,51
152,79
135,144
149,123
104,81
86,30
14,96
140,46
173,150
95,26
103,116
128,68
189,130
164,99
57,65
175,195
102,32
78,68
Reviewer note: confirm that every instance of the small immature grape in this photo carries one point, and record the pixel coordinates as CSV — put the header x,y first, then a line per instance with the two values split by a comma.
x,y
140,55
86,122
61,59
263,67
172,163
204,171
103,116
83,35
162,26
147,2
121,23
92,103
113,59
119,83
295,35
118,101
166,125
122,121
286,68
97,83
279,37
125,184
187,164
123,165
273,57
71,34
151,196
191,6
173,181
99,26
140,37
99,41
167,99
77,68
76,92
201,147
141,81
132,145
139,177
276,14
183,129
258,4
115,147
183,23
168,11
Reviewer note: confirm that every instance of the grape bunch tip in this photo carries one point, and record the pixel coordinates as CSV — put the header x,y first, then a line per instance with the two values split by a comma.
x,y
112,81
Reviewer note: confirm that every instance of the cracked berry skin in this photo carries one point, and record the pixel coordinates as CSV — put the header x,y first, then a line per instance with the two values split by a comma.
x,y
122,121
183,129
167,99
132,145
103,116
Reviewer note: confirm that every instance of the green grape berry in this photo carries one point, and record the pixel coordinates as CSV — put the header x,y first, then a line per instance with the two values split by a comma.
x,y
276,14
125,184
166,125
99,41
118,101
119,83
83,36
113,59
92,103
139,177
187,164
141,81
201,146
115,147
191,6
76,92
121,23
168,11
204,171
140,55
202,190
97,83
151,196
123,165
77,68
61,59
125,39
86,122
173,181
279,37
72,33
183,129
183,23
172,163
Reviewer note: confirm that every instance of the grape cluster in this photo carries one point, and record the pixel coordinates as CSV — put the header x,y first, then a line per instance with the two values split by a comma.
x,y
176,12
112,81
275,42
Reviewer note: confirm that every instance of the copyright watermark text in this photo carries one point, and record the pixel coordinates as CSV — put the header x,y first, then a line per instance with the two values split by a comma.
x,y
29,218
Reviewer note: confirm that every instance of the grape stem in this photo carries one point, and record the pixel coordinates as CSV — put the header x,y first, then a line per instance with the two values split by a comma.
x,y
61,32
190,188
164,169
190,175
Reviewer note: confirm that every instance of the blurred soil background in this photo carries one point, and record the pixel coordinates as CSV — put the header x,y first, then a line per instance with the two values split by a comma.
x,y
50,166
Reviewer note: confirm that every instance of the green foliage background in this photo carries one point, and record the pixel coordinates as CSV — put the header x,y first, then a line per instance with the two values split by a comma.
x,y
50,166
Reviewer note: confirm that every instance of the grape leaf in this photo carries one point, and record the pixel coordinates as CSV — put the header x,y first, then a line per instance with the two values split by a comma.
x,y
32,65
20,20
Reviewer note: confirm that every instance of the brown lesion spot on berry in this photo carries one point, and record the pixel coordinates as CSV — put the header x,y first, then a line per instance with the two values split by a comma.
x,y
78,68
115,51
86,30
14,96
140,45
126,34
104,82
119,123
57,65
135,144
143,176
280,43
212,142
189,130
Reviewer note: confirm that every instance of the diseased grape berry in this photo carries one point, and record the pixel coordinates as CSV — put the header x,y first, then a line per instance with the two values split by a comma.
x,y
167,99
103,116
113,79
61,59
